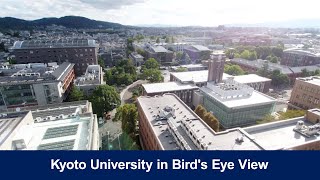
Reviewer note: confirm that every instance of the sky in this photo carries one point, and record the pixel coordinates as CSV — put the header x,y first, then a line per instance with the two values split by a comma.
x,y
166,12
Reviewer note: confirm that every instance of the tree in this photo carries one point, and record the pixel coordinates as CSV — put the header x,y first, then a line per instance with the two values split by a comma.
x,y
75,94
179,55
211,121
245,54
128,115
152,75
234,70
123,73
151,63
104,99
264,71
158,40
142,52
305,72
167,40
101,62
252,55
230,53
172,40
291,114
181,69
200,111
278,78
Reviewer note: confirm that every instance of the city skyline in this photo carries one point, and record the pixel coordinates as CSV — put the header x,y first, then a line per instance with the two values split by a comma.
x,y
165,12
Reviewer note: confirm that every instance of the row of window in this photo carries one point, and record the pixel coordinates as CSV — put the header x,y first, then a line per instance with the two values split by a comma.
x,y
308,99
310,89
55,51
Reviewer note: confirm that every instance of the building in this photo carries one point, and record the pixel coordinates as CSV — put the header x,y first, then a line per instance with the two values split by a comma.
x,y
198,52
300,57
57,127
191,67
136,58
257,82
90,80
183,91
255,65
174,126
200,78
234,104
161,54
35,84
216,67
81,52
306,92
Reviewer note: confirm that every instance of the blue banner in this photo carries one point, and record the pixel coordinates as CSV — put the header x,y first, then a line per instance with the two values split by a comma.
x,y
159,164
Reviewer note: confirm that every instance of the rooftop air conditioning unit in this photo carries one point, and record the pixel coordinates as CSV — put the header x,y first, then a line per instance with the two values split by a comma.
x,y
239,139
299,125
38,119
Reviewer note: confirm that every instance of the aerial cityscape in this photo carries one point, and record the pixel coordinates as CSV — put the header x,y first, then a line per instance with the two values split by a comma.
x,y
135,75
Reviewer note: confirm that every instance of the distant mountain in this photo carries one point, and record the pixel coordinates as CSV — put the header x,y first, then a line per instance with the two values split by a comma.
x,y
67,21
297,23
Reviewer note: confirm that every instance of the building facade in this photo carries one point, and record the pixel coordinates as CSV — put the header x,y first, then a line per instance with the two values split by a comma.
x,y
198,52
90,80
161,54
306,92
35,84
81,52
299,57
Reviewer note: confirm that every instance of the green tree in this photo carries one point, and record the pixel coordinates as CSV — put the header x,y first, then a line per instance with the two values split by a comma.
x,y
167,40
245,54
252,55
181,69
179,56
152,75
230,53
128,115
101,62
234,70
172,40
264,71
305,72
75,94
142,52
104,99
279,79
151,63
158,40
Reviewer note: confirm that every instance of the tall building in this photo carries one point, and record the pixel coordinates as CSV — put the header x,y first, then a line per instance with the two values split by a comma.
x,y
35,84
216,67
234,104
306,92
166,123
197,52
81,52
70,126
300,57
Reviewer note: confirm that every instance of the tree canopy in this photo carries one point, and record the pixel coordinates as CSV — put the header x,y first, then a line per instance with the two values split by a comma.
x,y
104,99
279,79
75,94
234,70
123,73
151,63
208,118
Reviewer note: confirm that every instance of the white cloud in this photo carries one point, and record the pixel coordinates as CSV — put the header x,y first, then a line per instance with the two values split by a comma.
x,y
175,12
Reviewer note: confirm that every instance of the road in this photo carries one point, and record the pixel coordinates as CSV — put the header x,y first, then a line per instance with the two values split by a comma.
x,y
113,129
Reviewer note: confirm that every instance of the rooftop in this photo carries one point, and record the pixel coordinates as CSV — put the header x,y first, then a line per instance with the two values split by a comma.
x,y
60,43
194,76
92,76
34,73
199,48
9,123
281,134
158,49
309,52
167,87
235,95
312,80
175,119
250,78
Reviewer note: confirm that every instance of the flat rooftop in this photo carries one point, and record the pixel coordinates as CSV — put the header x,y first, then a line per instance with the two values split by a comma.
x,y
67,134
8,124
60,43
153,106
239,98
250,78
194,76
167,87
280,135
315,80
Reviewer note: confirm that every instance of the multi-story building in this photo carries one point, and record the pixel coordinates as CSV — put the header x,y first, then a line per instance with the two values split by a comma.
x,y
90,80
166,123
234,104
198,52
81,52
136,58
35,84
300,57
161,54
306,92
183,91
70,126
